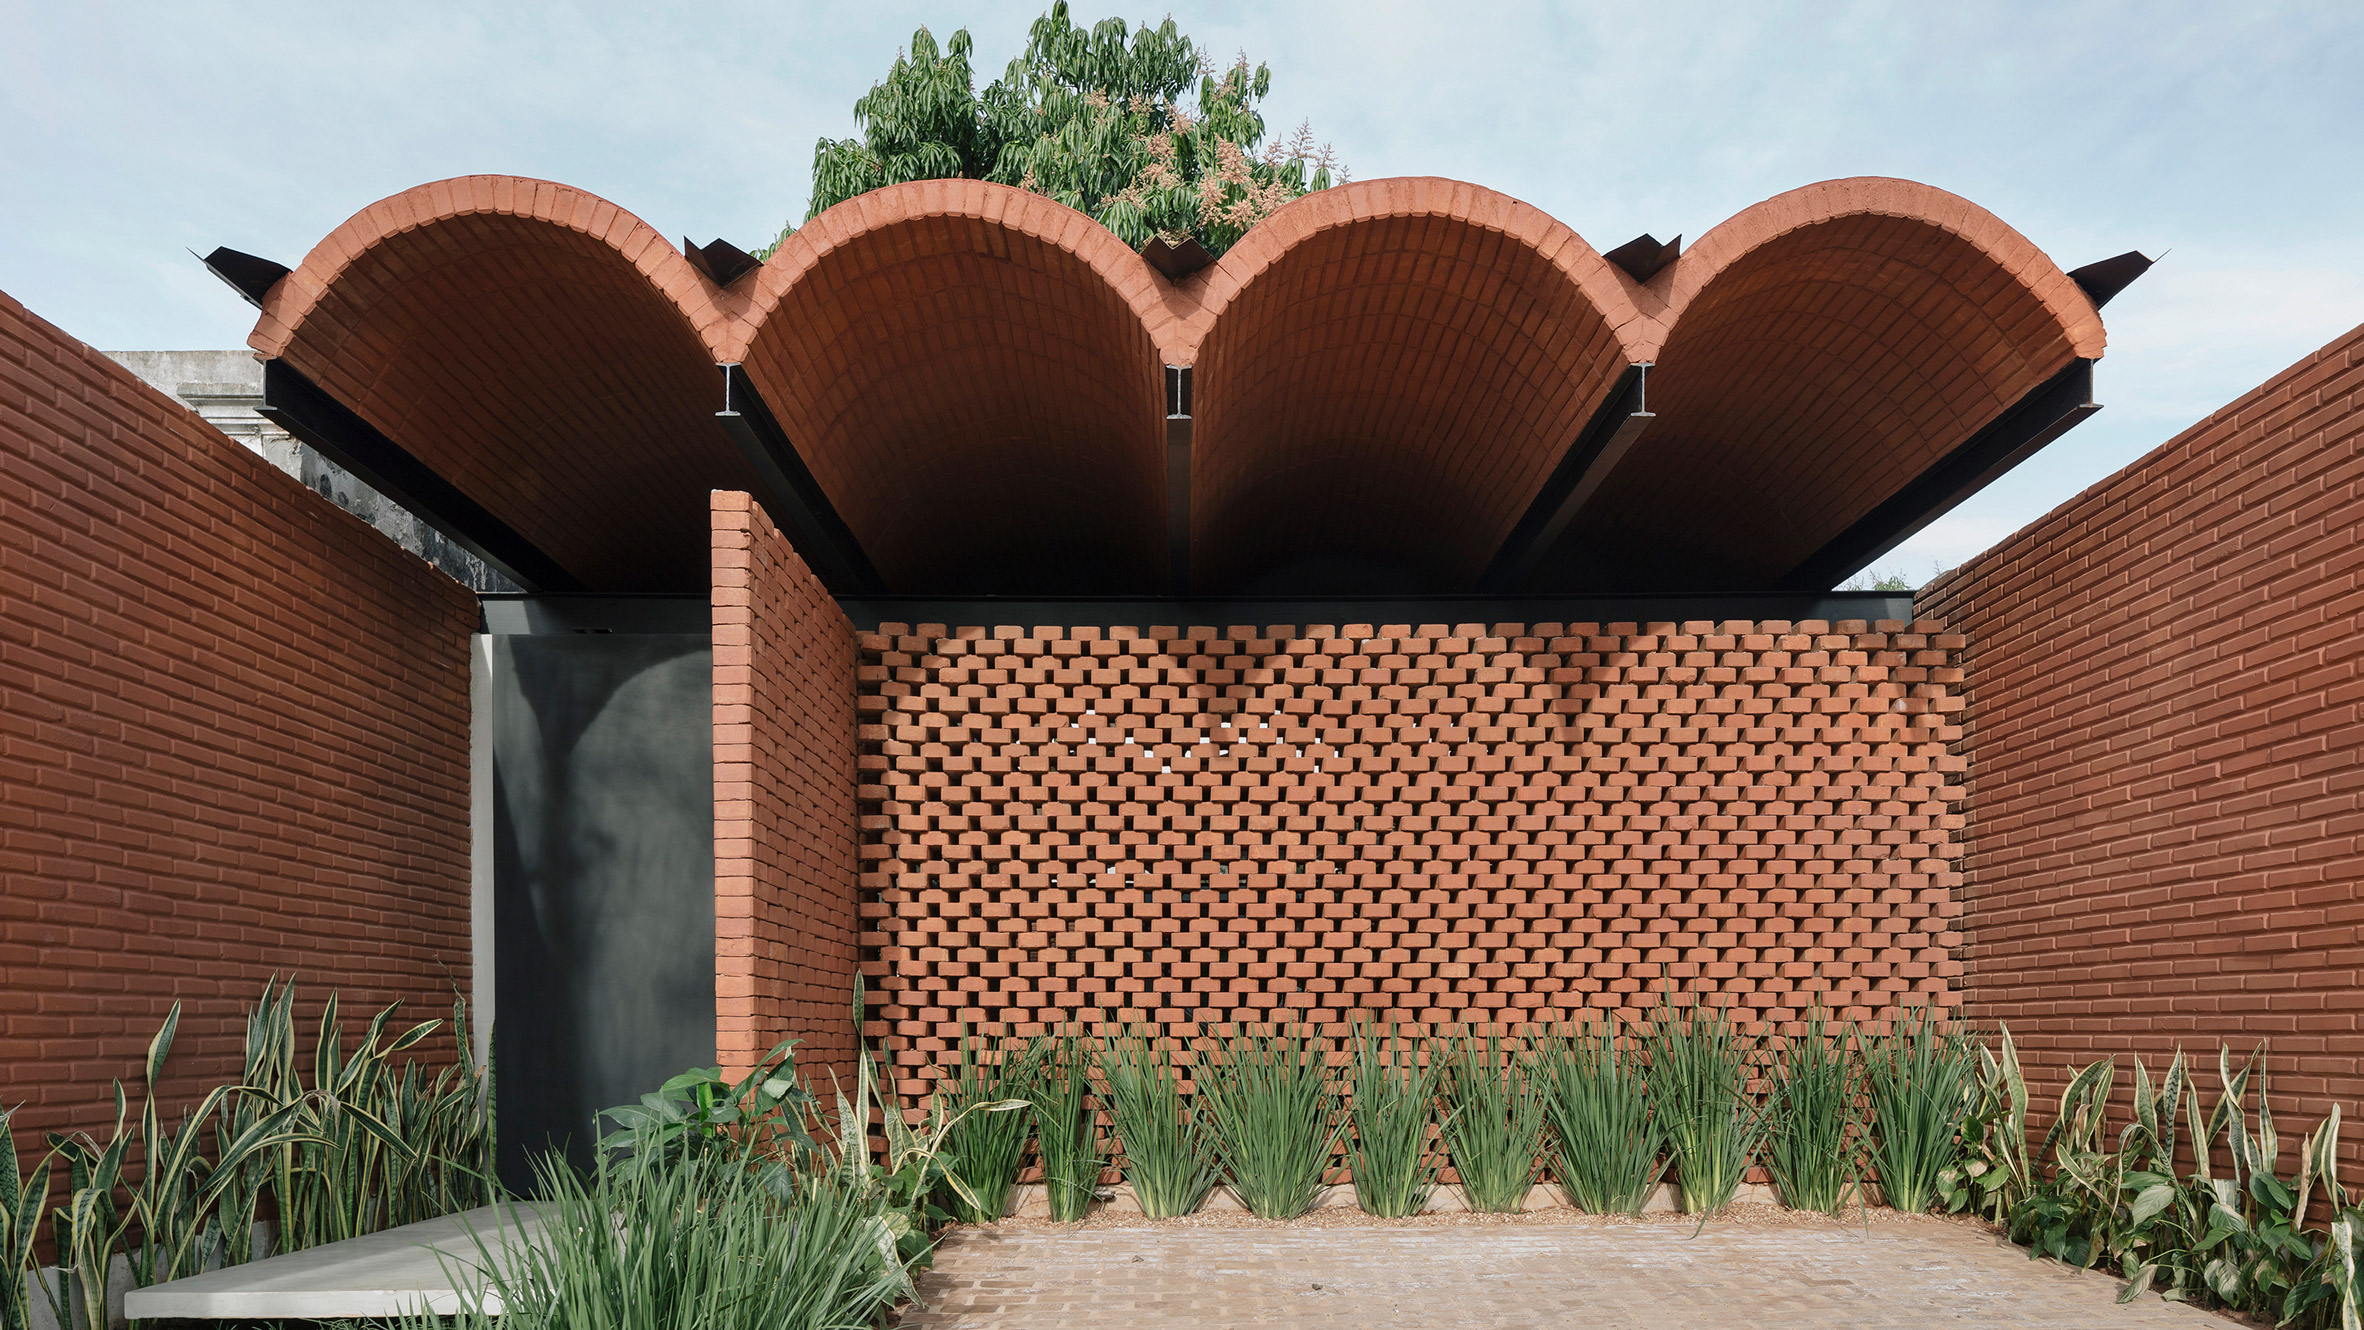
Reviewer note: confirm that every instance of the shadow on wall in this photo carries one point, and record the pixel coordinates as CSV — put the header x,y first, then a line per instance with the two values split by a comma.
x,y
603,877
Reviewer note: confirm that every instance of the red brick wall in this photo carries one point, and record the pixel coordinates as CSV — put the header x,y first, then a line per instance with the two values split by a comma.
x,y
2166,752
233,741
784,852
1440,823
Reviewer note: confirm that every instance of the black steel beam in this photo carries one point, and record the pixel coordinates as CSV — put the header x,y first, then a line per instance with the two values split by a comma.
x,y
1178,479
1596,450
1643,257
1176,262
2103,280
791,494
722,262
867,612
2048,411
306,410
251,276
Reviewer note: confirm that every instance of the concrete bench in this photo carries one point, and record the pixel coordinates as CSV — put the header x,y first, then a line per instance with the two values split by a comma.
x,y
433,1264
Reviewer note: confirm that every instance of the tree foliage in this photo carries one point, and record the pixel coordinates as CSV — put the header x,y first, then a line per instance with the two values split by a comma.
x,y
1133,127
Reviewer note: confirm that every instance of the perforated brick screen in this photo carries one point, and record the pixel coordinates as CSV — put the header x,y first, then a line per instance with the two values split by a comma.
x,y
1439,824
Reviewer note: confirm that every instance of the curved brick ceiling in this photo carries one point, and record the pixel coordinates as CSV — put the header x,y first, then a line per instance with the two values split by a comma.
x,y
1385,374
968,371
538,347
1388,372
1823,348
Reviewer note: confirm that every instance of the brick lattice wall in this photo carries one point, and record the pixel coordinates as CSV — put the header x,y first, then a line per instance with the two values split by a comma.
x,y
2163,737
1442,824
233,741
784,819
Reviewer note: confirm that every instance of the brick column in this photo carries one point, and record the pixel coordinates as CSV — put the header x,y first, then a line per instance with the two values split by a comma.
x,y
784,818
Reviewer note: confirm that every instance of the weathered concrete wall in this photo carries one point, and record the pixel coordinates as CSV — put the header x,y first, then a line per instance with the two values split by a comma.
x,y
225,387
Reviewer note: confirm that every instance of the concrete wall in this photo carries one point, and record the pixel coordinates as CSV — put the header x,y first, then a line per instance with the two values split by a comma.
x,y
225,387
603,869
2166,751
234,736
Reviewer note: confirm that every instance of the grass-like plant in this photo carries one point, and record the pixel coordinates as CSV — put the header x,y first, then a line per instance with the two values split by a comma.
x,y
1814,1143
1918,1078
1700,1065
1495,1130
1611,1151
1276,1118
24,1199
358,1149
986,1148
1170,1157
1066,1128
1395,1094
373,1147
706,1239
1993,1173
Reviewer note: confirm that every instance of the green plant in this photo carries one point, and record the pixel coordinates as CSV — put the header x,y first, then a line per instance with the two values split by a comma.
x,y
1700,1065
1495,1128
1393,1107
447,1120
988,1147
700,1112
24,1198
359,1149
1992,1175
343,1172
1170,1157
1134,128
89,1226
701,1238
175,1199
1918,1082
1067,1133
1276,1118
2254,1252
2075,1214
1815,1140
1610,1148
2237,1239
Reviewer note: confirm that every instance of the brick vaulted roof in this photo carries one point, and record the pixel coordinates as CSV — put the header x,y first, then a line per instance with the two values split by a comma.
x,y
1822,349
1387,372
969,372
1385,377
540,348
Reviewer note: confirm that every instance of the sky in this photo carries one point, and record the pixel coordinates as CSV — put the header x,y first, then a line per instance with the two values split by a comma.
x,y
2227,141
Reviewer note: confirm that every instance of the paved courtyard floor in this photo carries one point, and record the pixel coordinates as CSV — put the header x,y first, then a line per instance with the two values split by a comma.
x,y
1902,1273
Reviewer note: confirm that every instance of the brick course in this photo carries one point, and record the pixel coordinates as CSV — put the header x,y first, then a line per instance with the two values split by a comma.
x,y
1386,372
2163,743
784,852
234,741
1437,823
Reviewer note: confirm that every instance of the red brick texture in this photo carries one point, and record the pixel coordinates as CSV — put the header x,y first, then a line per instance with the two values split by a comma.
x,y
1823,348
992,342
1437,823
540,348
233,741
785,859
1391,369
1385,373
2165,795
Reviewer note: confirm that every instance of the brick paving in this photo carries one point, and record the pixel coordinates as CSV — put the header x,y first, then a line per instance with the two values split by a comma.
x,y
1907,1275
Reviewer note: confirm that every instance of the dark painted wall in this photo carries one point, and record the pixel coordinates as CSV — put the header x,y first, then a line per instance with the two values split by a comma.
x,y
603,877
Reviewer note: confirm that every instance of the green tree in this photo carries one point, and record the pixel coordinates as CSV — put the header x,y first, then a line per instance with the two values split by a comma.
x,y
920,123
1132,127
